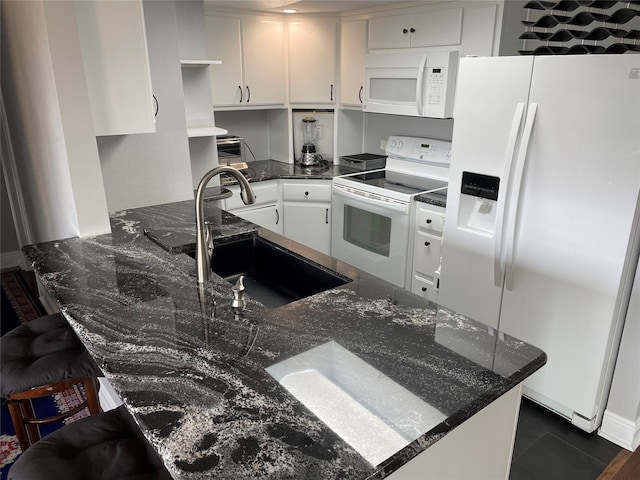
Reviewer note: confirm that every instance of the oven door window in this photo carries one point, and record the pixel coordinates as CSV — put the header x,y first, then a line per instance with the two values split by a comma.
x,y
367,230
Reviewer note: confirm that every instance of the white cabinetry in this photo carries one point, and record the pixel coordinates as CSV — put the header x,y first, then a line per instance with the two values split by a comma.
x,y
201,129
252,52
469,28
427,243
424,29
307,213
266,209
353,50
312,61
116,62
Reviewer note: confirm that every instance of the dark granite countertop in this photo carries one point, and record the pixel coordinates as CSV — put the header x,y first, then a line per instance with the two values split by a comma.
x,y
192,369
262,170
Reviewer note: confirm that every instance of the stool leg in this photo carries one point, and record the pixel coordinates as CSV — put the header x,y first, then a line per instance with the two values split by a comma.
x,y
91,393
34,432
15,410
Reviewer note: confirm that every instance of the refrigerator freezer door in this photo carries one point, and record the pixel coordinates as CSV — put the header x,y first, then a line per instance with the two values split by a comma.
x,y
576,212
491,94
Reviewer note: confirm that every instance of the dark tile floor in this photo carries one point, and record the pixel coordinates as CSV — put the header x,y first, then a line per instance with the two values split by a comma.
x,y
548,447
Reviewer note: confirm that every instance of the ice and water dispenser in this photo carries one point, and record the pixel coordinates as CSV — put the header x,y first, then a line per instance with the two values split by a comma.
x,y
478,203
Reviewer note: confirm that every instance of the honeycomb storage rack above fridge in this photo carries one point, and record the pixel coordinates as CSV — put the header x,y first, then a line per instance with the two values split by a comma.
x,y
570,27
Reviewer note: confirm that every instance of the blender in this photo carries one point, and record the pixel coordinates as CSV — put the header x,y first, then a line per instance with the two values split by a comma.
x,y
310,135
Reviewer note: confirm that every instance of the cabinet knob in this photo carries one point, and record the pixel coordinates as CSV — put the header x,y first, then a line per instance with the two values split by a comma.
x,y
306,194
429,220
405,31
424,289
426,244
413,30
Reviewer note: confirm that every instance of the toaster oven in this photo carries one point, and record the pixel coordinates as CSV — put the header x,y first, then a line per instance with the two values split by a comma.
x,y
231,151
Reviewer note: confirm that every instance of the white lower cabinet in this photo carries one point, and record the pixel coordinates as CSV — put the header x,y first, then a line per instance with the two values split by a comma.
x,y
265,212
427,244
307,213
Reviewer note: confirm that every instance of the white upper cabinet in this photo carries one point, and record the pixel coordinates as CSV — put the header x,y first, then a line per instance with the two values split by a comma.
x,y
312,61
425,29
116,63
353,50
263,46
252,52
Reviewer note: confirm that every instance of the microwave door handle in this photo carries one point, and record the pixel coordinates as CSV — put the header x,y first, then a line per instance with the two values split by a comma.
x,y
498,255
421,72
515,196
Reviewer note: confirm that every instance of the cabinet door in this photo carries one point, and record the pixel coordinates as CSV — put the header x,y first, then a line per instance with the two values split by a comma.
x,y
223,43
426,29
312,57
426,254
390,32
263,49
114,53
353,50
309,224
267,217
437,27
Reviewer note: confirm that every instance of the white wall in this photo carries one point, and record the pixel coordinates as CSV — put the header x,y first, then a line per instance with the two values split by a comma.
x,y
253,126
50,121
379,126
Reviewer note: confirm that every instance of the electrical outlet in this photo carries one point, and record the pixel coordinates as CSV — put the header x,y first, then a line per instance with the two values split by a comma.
x,y
383,144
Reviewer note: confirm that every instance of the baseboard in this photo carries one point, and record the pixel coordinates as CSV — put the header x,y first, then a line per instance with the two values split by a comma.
x,y
11,259
621,431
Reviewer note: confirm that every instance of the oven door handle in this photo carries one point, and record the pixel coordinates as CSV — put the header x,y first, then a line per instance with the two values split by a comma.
x,y
338,190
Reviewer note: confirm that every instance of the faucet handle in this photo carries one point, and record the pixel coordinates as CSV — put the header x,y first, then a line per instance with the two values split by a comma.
x,y
208,238
238,293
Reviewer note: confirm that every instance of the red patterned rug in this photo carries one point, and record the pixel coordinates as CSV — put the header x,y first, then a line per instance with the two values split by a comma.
x,y
23,301
19,305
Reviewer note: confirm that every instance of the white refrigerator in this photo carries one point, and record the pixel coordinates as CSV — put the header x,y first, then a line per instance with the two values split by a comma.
x,y
541,228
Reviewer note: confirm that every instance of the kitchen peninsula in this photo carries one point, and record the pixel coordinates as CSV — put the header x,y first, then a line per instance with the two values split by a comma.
x,y
229,393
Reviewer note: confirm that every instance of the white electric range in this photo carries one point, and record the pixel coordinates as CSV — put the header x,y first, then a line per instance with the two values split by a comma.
x,y
371,210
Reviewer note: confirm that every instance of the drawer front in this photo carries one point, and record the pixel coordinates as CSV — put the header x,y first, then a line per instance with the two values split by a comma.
x,y
309,192
426,254
266,193
425,288
429,220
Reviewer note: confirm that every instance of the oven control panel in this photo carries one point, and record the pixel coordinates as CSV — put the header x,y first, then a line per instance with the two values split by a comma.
x,y
419,149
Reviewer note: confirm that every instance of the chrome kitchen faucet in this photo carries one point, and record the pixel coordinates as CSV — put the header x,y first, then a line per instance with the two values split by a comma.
x,y
204,242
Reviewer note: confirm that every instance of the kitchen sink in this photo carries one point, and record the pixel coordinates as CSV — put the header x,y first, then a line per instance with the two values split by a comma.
x,y
273,275
367,409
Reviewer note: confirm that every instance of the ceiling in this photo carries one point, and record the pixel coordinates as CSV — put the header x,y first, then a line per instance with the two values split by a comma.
x,y
306,6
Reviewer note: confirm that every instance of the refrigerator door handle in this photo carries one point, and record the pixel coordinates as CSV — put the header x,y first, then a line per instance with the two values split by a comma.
x,y
498,256
515,196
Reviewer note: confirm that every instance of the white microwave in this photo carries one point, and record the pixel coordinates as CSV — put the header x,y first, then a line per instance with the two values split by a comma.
x,y
419,84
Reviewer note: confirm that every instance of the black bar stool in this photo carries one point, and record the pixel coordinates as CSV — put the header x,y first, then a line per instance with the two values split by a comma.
x,y
38,359
107,446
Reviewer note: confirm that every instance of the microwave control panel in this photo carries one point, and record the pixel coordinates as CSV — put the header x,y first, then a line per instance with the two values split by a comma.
x,y
436,85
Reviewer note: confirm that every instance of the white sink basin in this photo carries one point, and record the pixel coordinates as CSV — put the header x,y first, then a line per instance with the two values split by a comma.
x,y
367,409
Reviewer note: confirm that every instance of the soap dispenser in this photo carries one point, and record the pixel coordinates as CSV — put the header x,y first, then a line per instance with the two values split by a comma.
x,y
238,293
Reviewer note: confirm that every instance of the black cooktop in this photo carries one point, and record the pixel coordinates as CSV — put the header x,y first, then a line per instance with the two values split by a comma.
x,y
398,182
